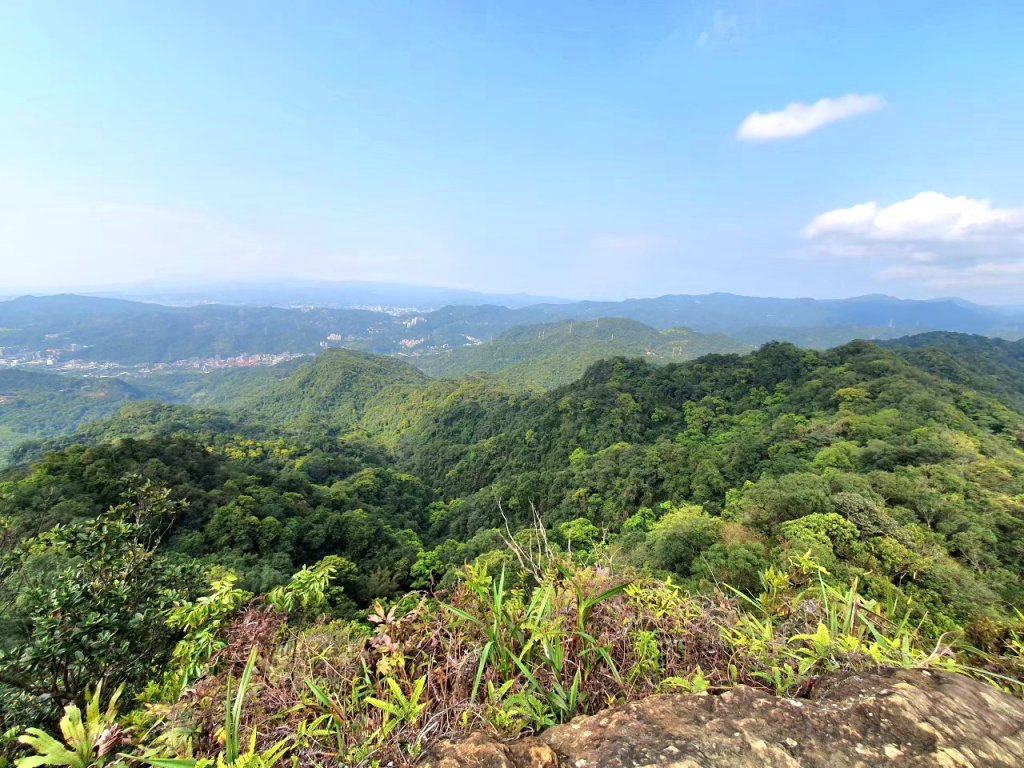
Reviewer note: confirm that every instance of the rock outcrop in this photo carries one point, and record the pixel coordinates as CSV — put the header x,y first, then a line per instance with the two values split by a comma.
x,y
899,718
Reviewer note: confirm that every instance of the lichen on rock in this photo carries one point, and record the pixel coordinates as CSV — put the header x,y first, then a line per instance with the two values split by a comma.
x,y
891,717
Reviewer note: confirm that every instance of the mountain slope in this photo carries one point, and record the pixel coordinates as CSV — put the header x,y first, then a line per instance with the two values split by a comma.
x,y
995,366
35,405
133,333
915,461
554,354
333,391
38,406
126,332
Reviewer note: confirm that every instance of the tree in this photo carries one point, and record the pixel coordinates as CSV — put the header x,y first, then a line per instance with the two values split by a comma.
x,y
87,601
580,534
681,536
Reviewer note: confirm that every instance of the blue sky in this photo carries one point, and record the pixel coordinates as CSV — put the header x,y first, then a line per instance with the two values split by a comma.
x,y
598,149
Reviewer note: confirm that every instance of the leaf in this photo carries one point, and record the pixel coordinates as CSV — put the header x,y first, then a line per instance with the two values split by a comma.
x,y
484,656
463,615
385,706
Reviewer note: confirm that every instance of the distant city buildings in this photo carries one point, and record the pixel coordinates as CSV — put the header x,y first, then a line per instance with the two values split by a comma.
x,y
59,359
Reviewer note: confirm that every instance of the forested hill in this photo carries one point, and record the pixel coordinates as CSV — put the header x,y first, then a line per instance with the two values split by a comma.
x,y
775,472
332,392
136,333
41,405
991,365
554,354
36,405
903,453
712,424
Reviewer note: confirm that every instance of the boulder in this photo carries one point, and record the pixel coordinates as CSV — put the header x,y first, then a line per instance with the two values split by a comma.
x,y
896,717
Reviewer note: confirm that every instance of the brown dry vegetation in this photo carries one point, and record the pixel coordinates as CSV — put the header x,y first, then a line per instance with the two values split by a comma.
x,y
513,656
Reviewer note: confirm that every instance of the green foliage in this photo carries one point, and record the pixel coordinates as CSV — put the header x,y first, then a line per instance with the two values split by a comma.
x,y
307,590
554,354
399,708
754,520
826,535
202,621
680,538
89,599
642,520
233,755
527,637
580,534
570,643
88,742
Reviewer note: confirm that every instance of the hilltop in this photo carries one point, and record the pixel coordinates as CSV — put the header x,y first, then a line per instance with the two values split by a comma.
x,y
472,554
553,354
979,362
334,390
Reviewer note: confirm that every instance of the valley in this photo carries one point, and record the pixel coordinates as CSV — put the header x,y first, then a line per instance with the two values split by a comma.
x,y
511,385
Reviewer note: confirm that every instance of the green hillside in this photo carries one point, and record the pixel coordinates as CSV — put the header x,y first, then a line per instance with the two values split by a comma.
x,y
989,365
918,463
553,354
220,387
333,391
39,405
392,538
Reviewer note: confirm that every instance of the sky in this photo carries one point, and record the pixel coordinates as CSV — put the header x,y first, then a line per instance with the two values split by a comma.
x,y
585,150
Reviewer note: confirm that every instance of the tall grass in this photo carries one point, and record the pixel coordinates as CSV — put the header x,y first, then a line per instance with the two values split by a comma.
x,y
516,651
232,755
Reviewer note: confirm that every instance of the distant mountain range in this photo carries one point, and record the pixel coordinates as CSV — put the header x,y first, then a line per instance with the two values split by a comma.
x,y
320,293
807,321
104,329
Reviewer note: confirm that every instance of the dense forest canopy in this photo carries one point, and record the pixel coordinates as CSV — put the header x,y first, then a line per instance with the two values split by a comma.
x,y
553,354
897,468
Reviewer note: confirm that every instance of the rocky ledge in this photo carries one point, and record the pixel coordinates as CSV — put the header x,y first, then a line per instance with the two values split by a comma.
x,y
899,718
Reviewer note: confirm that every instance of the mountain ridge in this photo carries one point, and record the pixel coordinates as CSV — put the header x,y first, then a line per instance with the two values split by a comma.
x,y
94,329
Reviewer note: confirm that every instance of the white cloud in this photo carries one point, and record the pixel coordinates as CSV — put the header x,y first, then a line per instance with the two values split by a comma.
x,y
798,119
929,219
940,241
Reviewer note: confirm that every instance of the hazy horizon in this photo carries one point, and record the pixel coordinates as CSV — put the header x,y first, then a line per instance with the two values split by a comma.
x,y
157,292
739,146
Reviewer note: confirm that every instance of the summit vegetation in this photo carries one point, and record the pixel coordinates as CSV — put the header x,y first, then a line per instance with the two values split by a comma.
x,y
345,560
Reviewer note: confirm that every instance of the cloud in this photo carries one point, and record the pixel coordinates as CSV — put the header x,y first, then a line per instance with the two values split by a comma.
x,y
799,119
724,28
929,219
940,241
